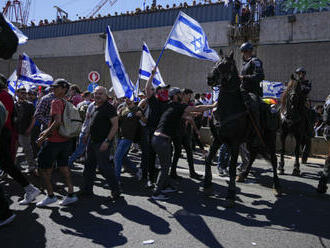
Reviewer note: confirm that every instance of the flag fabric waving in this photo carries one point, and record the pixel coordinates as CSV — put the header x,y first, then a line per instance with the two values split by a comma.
x,y
29,77
147,63
272,89
188,37
122,85
22,38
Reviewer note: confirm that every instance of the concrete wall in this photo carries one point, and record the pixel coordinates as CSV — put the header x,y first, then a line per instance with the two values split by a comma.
x,y
282,47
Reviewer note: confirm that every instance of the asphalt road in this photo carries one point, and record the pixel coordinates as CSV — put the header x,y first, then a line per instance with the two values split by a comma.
x,y
300,218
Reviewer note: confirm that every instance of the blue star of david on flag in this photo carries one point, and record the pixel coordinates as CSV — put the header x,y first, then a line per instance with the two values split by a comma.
x,y
188,37
198,44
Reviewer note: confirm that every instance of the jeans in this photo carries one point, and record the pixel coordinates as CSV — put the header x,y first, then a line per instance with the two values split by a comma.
x,y
122,149
80,150
224,156
162,146
25,142
106,167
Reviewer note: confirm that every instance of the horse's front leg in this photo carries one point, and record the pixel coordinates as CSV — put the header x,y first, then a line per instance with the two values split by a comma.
x,y
231,192
296,169
282,151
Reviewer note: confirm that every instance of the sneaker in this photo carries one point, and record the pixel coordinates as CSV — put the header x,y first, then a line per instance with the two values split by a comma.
x,y
7,219
169,189
46,201
31,194
68,200
139,174
161,197
221,171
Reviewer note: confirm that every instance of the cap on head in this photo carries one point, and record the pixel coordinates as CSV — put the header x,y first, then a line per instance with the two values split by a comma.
x,y
61,82
166,87
173,91
300,69
247,46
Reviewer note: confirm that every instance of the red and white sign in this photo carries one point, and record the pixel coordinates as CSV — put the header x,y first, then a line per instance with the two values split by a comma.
x,y
94,77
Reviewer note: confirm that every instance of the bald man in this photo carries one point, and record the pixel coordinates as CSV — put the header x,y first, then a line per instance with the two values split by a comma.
x,y
102,130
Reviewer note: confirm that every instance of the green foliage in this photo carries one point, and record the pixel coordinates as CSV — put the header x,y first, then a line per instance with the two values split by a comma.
x,y
303,5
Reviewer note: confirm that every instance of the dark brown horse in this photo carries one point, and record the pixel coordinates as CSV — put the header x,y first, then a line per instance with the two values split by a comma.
x,y
233,126
292,121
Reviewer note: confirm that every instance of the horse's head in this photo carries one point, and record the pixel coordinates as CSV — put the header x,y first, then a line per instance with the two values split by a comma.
x,y
223,71
292,100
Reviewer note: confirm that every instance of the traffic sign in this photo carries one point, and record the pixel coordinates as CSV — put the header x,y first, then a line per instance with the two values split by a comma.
x,y
91,87
93,76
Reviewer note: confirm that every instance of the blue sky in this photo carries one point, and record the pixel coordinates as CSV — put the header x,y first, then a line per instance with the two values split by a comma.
x,y
43,9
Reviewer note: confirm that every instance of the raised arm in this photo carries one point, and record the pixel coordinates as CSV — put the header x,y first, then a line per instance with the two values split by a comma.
x,y
149,88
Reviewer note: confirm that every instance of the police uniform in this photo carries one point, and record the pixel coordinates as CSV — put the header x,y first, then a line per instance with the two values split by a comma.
x,y
253,74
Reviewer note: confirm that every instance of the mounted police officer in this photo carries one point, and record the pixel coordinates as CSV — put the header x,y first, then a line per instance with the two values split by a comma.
x,y
306,87
251,75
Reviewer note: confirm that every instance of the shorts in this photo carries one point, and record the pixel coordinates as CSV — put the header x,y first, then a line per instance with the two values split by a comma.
x,y
54,151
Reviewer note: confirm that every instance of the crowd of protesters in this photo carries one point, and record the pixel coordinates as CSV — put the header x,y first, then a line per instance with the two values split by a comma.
x,y
162,121
109,129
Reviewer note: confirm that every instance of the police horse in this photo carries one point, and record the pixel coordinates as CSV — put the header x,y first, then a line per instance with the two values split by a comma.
x,y
293,121
233,126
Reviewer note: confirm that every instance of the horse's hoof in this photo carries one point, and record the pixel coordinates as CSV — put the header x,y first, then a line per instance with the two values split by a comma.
x,y
208,190
322,186
280,171
296,172
229,203
240,178
277,192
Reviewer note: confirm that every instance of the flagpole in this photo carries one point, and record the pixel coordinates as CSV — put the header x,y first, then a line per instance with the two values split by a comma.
x,y
18,71
161,53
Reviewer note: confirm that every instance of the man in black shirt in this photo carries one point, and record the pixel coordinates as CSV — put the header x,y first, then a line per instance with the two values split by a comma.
x,y
184,138
102,129
25,123
157,101
165,131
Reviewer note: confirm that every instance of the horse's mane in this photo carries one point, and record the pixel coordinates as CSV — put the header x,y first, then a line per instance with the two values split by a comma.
x,y
292,85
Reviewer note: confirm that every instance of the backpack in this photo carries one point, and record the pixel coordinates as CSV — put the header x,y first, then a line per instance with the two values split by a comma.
x,y
71,121
8,39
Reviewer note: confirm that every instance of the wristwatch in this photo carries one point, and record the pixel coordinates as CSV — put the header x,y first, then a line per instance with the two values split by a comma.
x,y
107,141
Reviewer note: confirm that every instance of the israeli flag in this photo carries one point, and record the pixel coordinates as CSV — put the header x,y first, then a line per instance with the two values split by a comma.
x,y
29,77
147,63
122,85
272,89
22,38
215,94
137,88
188,37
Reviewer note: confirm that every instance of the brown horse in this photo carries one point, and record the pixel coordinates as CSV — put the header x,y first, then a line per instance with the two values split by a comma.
x,y
292,121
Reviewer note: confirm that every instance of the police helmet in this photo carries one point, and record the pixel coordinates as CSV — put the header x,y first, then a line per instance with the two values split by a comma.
x,y
247,46
301,69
